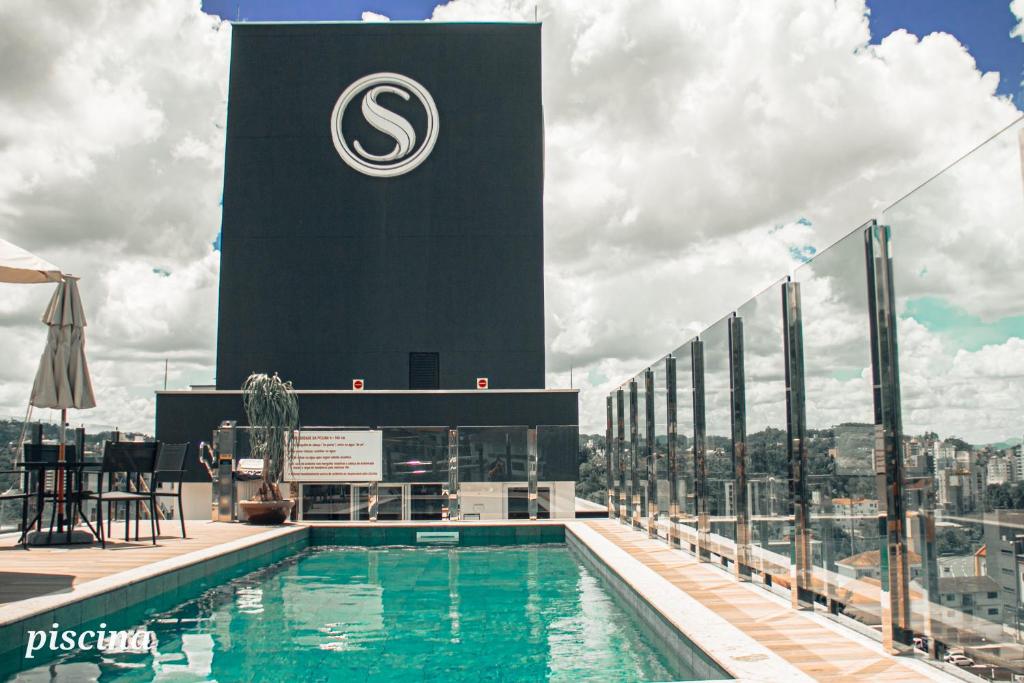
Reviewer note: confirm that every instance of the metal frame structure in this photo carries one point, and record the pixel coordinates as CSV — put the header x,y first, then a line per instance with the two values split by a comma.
x,y
611,497
738,407
652,464
895,577
896,627
634,456
700,465
672,428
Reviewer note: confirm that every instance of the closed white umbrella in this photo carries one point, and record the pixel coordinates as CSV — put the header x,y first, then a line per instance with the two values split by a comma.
x,y
62,380
18,265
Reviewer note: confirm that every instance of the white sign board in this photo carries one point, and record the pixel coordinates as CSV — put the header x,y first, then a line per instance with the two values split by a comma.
x,y
335,456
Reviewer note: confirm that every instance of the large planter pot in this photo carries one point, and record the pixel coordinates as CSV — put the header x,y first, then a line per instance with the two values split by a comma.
x,y
267,511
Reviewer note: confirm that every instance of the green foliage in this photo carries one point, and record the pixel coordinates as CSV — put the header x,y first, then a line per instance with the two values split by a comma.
x,y
592,483
1007,496
953,541
273,414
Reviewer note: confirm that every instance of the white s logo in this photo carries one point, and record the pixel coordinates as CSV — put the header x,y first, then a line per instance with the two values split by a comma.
x,y
405,155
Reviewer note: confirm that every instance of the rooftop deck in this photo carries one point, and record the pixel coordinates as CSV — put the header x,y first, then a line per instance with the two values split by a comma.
x,y
822,650
55,570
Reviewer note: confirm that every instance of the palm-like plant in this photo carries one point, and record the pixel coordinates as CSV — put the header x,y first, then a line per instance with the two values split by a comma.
x,y
273,415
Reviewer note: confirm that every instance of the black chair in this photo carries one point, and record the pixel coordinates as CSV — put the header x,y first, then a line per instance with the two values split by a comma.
x,y
135,461
21,494
41,460
170,469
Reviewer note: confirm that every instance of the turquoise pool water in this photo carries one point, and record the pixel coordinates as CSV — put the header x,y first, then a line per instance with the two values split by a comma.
x,y
520,613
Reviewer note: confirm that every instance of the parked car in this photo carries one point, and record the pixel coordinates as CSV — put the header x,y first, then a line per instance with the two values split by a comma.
x,y
959,659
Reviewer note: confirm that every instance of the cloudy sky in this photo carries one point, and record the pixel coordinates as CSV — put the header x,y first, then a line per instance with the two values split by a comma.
x,y
696,152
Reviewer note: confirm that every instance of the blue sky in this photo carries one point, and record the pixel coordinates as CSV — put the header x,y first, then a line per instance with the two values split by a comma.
x,y
982,25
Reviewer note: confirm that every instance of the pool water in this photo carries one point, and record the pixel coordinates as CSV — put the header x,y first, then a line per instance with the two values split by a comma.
x,y
520,613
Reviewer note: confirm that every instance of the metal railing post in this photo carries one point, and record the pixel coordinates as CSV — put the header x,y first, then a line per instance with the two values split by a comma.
x,y
531,472
620,442
611,498
801,590
453,474
738,408
672,452
700,468
895,579
634,457
652,459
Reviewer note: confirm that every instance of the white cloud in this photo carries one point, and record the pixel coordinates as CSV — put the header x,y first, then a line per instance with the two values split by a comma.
x,y
1017,7
683,143
373,16
111,145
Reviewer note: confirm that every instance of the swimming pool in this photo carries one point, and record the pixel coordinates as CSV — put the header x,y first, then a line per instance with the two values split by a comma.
x,y
395,614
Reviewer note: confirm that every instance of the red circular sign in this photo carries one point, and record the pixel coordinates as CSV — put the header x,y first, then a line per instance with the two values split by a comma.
x,y
357,384
481,383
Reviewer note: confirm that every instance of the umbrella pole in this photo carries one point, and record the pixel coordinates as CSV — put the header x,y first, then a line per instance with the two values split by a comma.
x,y
60,471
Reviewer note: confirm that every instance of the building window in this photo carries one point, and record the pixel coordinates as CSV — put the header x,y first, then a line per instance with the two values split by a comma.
x,y
992,594
993,610
424,370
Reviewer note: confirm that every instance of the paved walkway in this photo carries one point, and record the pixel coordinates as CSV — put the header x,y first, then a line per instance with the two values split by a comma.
x,y
821,650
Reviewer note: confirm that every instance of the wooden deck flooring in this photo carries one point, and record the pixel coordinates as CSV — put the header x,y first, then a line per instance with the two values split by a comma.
x,y
49,570
821,652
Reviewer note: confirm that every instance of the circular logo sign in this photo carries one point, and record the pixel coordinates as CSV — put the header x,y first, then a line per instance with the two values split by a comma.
x,y
404,149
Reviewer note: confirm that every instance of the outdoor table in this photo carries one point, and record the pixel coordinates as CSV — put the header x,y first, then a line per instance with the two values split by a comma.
x,y
74,476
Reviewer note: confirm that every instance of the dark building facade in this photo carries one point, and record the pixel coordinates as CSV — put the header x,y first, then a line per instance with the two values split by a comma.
x,y
428,279
383,222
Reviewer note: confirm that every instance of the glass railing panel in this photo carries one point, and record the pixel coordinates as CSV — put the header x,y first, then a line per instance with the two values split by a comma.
x,y
721,479
660,446
768,475
844,524
958,244
491,460
641,441
415,454
684,446
558,448
613,448
626,456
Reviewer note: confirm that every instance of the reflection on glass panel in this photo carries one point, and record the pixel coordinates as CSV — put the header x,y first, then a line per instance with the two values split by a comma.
x,y
768,472
641,440
721,479
844,524
426,501
556,444
326,501
958,278
415,454
660,446
492,454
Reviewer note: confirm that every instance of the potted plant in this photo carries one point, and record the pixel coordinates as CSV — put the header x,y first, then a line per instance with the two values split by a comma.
x,y
273,415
